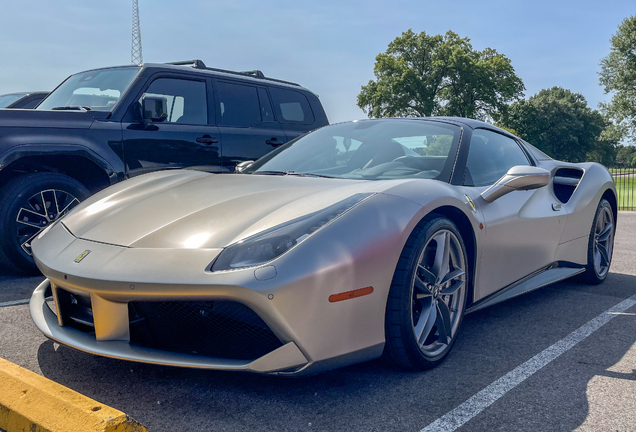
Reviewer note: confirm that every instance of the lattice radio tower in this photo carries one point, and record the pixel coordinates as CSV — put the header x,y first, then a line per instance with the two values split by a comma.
x,y
136,56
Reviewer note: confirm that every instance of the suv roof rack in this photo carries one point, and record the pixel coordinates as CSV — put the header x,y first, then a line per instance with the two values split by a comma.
x,y
198,64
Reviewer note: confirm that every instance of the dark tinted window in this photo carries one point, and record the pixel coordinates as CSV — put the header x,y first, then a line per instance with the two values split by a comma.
x,y
491,155
266,105
291,106
32,104
238,105
186,100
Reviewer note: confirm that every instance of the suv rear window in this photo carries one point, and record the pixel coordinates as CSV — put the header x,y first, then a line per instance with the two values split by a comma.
x,y
291,106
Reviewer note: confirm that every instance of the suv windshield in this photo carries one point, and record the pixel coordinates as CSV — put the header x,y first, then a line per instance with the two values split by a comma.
x,y
370,149
8,99
97,90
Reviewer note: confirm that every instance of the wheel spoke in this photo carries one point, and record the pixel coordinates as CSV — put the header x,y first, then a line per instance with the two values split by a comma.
x,y
455,286
443,322
452,276
31,218
442,256
422,288
426,274
605,260
425,324
605,234
70,205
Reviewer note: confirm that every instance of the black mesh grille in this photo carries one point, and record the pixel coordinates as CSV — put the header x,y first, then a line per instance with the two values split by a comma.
x,y
220,329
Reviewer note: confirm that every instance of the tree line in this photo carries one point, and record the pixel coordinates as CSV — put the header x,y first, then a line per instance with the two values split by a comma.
x,y
443,75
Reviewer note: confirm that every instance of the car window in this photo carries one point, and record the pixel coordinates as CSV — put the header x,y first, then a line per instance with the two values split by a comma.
x,y
186,100
6,100
32,104
98,90
490,156
266,106
368,150
291,106
238,105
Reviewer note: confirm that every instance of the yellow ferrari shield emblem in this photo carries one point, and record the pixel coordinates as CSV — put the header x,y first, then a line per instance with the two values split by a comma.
x,y
82,256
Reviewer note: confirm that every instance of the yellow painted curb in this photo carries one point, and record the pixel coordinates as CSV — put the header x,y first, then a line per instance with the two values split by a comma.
x,y
32,403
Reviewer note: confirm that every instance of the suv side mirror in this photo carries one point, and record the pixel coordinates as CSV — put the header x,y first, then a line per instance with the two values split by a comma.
x,y
520,177
155,108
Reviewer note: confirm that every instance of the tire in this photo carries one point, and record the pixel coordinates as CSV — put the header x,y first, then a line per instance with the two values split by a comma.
x,y
25,198
416,294
600,245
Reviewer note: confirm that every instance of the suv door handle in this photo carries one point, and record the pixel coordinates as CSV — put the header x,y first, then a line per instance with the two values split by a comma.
x,y
274,142
207,139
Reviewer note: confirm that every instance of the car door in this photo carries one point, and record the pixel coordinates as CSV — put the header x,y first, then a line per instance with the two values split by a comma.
x,y
521,229
185,137
246,121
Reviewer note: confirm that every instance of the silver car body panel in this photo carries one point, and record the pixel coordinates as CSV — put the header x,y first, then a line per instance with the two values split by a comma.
x,y
154,237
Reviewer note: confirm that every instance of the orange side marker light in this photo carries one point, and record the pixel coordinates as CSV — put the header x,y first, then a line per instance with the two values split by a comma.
x,y
350,294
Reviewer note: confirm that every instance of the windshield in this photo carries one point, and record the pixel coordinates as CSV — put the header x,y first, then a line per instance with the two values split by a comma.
x,y
97,90
372,149
8,99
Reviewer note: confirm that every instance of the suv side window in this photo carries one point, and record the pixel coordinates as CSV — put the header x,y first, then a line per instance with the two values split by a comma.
x,y
490,156
186,100
291,106
238,105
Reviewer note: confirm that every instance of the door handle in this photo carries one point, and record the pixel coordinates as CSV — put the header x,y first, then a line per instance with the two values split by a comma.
x,y
274,142
207,139
556,206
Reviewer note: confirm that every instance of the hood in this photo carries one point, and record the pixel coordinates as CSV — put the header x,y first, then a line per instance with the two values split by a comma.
x,y
31,118
190,210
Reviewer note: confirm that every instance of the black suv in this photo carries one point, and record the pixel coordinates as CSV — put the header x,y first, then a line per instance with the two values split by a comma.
x,y
103,126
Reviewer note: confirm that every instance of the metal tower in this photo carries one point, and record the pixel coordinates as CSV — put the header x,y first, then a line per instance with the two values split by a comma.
x,y
136,56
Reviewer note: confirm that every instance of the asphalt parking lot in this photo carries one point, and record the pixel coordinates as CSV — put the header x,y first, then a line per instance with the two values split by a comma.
x,y
590,386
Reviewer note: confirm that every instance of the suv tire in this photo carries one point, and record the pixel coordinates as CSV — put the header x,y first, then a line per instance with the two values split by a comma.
x,y
25,198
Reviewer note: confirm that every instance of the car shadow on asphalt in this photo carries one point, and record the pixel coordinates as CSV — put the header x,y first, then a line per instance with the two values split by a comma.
x,y
374,395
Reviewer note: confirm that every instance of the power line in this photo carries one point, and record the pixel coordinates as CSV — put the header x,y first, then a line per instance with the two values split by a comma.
x,y
136,56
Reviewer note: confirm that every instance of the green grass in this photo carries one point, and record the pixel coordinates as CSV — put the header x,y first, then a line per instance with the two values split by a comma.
x,y
626,190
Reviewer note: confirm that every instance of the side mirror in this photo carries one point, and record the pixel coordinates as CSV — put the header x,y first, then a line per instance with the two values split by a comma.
x,y
243,166
155,108
520,177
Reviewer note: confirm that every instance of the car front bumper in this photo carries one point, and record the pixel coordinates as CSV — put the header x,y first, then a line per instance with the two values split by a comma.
x,y
290,295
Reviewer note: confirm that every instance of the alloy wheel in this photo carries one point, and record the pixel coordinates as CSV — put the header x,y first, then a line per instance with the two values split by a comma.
x,y
39,212
603,241
438,293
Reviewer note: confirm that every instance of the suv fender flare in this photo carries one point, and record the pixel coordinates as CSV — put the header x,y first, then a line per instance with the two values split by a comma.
x,y
114,175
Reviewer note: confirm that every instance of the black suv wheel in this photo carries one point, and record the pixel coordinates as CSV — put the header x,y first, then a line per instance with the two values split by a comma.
x,y
29,204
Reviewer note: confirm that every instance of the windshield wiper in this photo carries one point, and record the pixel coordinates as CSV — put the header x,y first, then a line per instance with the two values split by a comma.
x,y
72,108
291,173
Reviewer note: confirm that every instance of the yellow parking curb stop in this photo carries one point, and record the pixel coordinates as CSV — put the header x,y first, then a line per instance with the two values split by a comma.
x,y
31,403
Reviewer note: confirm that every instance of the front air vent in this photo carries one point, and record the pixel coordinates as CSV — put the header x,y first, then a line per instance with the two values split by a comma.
x,y
220,329
565,182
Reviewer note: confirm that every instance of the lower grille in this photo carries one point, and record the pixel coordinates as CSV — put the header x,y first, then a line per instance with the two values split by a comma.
x,y
220,329
74,310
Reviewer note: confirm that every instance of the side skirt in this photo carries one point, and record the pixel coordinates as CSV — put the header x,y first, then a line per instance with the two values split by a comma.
x,y
546,276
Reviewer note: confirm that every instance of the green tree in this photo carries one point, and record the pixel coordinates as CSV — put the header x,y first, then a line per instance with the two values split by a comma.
x,y
560,123
626,156
618,76
421,75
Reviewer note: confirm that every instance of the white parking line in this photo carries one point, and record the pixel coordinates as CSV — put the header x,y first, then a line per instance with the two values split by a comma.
x,y
14,302
482,400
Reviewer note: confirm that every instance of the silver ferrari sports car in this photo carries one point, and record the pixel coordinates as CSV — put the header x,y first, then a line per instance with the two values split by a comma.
x,y
358,240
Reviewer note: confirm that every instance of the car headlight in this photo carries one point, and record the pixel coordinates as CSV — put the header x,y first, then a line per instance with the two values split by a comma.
x,y
272,243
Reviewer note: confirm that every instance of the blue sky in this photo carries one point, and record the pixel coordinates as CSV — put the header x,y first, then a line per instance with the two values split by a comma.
x,y
327,46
